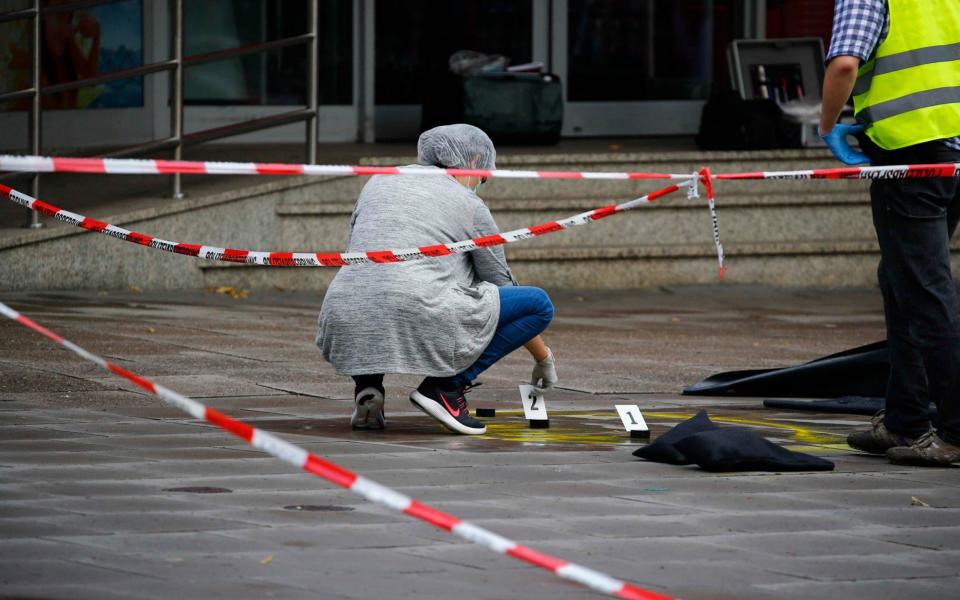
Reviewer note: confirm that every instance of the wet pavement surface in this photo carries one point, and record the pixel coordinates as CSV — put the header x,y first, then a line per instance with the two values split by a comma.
x,y
107,493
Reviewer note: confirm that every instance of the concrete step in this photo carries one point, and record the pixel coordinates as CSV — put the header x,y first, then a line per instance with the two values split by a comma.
x,y
312,206
346,189
672,162
307,214
674,220
838,263
682,162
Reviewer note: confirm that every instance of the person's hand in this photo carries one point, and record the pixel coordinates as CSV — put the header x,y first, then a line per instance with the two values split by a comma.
x,y
544,373
837,142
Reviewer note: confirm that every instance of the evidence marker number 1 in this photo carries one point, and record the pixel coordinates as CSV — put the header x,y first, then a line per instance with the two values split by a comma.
x,y
534,407
633,421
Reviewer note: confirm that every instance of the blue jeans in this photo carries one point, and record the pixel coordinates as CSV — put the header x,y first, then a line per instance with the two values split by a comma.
x,y
524,313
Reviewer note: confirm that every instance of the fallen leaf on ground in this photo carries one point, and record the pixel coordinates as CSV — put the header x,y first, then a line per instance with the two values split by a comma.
x,y
267,560
227,290
914,501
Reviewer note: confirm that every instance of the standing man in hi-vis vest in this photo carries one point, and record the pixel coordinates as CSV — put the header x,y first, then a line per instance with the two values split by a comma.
x,y
900,59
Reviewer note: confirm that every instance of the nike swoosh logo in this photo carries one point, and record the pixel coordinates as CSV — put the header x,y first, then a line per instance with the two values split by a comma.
x,y
455,413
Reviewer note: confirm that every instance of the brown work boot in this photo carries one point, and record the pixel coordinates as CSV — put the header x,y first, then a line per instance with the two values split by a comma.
x,y
928,451
878,439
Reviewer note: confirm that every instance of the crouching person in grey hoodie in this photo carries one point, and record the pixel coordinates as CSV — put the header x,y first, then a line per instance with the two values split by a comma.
x,y
448,318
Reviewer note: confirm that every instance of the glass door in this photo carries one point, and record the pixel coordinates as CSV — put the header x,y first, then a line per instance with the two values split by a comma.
x,y
263,84
414,40
638,67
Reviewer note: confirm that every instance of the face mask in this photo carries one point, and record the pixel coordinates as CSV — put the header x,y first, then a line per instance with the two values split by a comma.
x,y
476,188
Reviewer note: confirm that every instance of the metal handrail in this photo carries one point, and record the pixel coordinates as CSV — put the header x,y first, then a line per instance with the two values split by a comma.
x,y
27,13
16,15
145,148
18,95
176,65
196,59
166,65
77,4
216,133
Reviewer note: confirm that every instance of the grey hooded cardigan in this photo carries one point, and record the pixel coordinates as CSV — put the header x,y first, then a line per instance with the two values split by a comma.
x,y
428,317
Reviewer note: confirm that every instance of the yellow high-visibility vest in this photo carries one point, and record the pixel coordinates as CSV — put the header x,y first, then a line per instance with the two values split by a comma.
x,y
909,91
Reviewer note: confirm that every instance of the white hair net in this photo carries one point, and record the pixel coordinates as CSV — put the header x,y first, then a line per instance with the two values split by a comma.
x,y
458,146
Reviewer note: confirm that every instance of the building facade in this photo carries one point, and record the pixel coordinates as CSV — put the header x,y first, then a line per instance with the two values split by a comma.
x,y
629,67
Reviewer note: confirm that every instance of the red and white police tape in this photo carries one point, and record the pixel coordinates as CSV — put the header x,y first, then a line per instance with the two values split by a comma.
x,y
705,177
121,166
331,259
884,172
127,166
366,488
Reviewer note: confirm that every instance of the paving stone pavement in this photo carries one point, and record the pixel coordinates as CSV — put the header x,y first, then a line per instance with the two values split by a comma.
x,y
90,467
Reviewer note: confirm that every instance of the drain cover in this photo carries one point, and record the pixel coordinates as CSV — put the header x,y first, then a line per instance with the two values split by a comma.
x,y
319,507
199,490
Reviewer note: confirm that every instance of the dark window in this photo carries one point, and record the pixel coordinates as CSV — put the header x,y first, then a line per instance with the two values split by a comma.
x,y
631,50
800,18
275,77
415,38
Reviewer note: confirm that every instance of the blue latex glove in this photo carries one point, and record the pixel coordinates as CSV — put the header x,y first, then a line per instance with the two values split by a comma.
x,y
837,142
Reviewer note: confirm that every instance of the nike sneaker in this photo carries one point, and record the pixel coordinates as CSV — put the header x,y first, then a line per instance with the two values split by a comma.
x,y
449,407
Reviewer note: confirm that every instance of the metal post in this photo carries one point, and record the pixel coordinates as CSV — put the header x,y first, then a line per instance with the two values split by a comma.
x,y
176,94
33,221
761,16
367,73
312,50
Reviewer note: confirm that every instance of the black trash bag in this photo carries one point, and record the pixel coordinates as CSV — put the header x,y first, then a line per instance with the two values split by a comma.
x,y
737,449
859,371
846,405
662,449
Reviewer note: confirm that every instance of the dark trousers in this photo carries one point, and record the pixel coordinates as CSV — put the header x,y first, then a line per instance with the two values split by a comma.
x,y
914,220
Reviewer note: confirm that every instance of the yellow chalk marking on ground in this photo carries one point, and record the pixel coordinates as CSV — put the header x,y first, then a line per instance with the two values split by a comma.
x,y
557,434
800,433
575,434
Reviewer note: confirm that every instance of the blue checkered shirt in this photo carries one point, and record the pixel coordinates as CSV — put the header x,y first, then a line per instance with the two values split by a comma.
x,y
858,28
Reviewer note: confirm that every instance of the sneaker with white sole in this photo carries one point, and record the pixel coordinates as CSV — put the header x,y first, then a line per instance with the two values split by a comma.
x,y
449,407
368,409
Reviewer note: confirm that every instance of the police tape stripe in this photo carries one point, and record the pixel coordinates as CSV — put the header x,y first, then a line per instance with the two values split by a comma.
x,y
357,484
128,166
705,177
328,259
885,172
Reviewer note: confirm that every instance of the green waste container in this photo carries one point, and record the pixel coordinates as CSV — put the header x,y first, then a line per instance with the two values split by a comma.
x,y
515,108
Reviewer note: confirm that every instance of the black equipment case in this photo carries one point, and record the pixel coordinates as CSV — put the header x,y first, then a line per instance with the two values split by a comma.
x,y
512,108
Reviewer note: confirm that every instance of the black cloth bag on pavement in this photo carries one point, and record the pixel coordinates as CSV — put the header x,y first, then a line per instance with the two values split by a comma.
x,y
699,441
662,449
737,449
